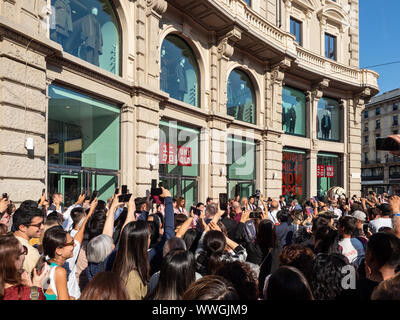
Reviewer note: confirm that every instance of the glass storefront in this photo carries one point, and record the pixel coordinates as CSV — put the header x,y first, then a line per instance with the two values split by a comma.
x,y
83,144
179,71
241,98
293,111
328,172
179,160
294,174
328,119
89,30
241,166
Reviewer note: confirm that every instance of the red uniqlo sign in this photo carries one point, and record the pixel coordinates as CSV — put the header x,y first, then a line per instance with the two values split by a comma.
x,y
185,156
320,171
167,153
330,171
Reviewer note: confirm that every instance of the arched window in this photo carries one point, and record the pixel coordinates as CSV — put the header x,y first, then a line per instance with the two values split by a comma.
x,y
241,97
88,30
179,71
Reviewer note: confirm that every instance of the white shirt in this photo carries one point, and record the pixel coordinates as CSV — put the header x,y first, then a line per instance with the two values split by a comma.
x,y
68,222
376,224
70,266
353,249
272,216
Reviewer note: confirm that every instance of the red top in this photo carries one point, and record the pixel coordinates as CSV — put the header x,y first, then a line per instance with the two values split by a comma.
x,y
24,293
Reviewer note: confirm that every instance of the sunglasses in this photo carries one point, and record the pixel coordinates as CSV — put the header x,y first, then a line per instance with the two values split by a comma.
x,y
24,251
38,225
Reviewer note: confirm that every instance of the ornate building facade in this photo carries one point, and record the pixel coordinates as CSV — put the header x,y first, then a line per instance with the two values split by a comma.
x,y
206,96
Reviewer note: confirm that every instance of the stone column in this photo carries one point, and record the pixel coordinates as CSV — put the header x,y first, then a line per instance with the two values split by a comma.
x,y
128,145
357,105
146,148
218,127
273,130
23,105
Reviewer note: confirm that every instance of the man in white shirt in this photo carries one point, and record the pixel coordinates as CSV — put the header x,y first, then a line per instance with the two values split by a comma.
x,y
351,248
383,221
273,211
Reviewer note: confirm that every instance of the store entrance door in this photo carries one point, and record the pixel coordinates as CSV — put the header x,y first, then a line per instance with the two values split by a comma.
x,y
186,187
70,182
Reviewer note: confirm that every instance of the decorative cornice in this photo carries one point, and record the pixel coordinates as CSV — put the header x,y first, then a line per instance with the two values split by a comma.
x,y
225,46
158,6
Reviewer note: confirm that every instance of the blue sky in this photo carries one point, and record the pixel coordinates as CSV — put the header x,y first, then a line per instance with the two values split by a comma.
x,y
379,40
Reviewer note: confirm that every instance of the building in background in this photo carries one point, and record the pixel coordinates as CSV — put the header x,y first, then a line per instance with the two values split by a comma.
x,y
380,169
205,96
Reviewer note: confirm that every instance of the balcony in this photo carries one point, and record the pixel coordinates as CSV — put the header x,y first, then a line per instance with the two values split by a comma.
x,y
265,41
394,175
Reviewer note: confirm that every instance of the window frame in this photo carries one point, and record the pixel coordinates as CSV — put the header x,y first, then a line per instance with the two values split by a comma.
x,y
296,22
329,36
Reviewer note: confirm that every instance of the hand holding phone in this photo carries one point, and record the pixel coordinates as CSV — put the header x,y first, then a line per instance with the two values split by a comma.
x,y
223,201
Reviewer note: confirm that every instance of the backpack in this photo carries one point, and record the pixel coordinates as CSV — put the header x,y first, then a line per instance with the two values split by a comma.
x,y
249,233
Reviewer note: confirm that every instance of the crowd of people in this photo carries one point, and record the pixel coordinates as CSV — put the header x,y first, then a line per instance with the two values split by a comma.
x,y
154,248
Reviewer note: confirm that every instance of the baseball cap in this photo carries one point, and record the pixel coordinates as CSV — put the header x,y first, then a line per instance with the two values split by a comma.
x,y
359,215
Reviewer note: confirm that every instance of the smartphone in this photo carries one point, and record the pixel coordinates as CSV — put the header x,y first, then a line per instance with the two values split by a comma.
x,y
124,189
43,191
94,195
255,215
154,190
223,201
116,191
5,196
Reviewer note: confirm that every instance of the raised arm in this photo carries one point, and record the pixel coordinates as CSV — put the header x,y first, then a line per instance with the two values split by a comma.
x,y
185,226
130,217
79,235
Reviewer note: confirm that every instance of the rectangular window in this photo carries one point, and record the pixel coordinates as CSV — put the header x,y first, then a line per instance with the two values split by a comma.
x,y
378,111
294,174
395,106
179,160
395,120
296,29
366,158
328,172
328,119
241,166
366,114
377,124
248,2
330,46
365,139
366,127
293,111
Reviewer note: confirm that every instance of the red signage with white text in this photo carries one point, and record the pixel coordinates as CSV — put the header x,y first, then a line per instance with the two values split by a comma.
x,y
167,153
184,156
320,171
330,171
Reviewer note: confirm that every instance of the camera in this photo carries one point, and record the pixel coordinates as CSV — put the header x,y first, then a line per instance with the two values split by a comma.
x,y
5,196
223,201
255,215
196,211
95,194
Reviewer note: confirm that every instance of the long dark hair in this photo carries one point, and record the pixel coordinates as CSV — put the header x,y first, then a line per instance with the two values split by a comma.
x,y
214,246
132,251
9,252
266,235
105,286
177,273
54,237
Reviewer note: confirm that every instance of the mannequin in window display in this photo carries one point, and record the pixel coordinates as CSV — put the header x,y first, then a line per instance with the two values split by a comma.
x,y
87,38
181,80
164,70
291,119
326,125
61,21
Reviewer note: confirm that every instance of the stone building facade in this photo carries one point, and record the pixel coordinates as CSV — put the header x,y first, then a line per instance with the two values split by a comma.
x,y
85,81
380,119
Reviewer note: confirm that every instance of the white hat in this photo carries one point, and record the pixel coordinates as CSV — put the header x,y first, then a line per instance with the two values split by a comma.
x,y
359,215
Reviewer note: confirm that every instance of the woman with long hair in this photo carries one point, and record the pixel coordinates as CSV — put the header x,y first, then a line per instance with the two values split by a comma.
x,y
105,286
214,248
15,283
132,261
58,247
180,205
177,273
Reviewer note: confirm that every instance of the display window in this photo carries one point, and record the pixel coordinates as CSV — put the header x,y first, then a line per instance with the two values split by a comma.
x,y
293,111
328,119
294,174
